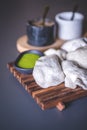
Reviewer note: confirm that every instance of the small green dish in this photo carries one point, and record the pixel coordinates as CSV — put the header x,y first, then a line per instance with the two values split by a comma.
x,y
25,62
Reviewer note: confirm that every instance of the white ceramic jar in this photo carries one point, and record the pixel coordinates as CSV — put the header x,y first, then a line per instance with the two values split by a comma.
x,y
69,29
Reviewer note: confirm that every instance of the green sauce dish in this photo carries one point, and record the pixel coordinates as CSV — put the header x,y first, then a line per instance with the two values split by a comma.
x,y
26,60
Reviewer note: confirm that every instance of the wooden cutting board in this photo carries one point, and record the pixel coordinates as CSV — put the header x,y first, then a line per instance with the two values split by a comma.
x,y
23,45
56,96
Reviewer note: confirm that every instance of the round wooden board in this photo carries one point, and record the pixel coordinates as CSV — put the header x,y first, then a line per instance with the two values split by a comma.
x,y
23,45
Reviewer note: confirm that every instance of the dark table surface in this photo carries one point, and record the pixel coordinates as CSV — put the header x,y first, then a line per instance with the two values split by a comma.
x,y
18,110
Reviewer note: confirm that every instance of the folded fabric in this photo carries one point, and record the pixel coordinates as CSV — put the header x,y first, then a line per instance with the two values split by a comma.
x,y
79,56
48,71
73,45
59,52
74,75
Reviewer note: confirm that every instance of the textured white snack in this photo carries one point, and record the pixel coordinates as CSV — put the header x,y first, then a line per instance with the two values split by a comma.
x,y
50,51
79,56
60,53
75,76
72,45
48,72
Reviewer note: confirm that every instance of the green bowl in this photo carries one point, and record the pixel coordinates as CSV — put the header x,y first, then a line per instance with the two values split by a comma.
x,y
26,60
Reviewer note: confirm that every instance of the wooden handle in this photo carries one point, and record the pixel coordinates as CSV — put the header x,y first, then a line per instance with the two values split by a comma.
x,y
45,14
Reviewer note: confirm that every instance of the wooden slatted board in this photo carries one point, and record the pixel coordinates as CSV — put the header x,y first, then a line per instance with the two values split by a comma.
x,y
55,96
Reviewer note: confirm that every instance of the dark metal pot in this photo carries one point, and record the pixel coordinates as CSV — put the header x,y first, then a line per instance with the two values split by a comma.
x,y
39,35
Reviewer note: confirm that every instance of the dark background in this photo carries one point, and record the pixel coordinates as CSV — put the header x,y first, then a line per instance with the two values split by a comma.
x,y
18,111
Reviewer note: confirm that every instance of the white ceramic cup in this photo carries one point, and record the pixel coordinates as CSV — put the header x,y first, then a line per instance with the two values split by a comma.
x,y
69,29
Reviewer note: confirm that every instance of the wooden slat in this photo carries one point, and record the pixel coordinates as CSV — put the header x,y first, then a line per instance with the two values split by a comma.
x,y
60,106
50,97
52,102
47,90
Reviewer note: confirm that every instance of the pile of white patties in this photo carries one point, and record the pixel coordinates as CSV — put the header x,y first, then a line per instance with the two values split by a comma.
x,y
67,64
